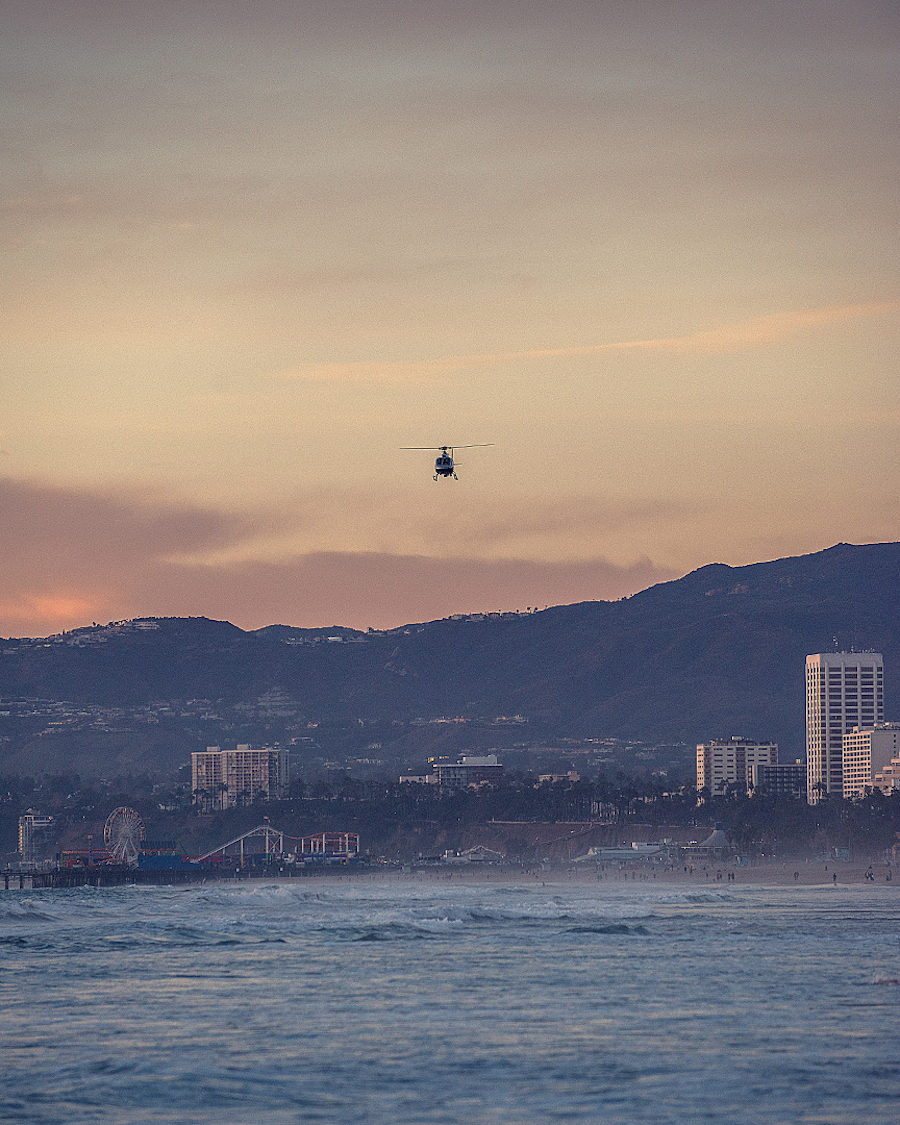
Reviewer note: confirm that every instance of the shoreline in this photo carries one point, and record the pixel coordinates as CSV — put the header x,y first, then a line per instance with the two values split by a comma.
x,y
801,874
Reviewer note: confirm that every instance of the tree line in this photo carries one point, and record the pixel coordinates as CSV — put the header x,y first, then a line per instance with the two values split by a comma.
x,y
378,809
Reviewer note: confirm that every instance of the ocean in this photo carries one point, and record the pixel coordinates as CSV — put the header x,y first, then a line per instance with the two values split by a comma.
x,y
402,999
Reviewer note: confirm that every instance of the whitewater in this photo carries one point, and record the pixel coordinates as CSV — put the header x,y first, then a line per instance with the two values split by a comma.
x,y
401,999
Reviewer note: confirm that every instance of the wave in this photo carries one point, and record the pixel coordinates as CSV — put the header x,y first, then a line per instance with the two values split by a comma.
x,y
258,913
609,928
24,911
186,936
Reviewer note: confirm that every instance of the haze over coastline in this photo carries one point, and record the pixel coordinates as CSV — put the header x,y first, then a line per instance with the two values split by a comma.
x,y
253,250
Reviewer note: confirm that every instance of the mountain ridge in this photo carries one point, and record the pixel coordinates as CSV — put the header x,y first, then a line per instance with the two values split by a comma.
x,y
717,652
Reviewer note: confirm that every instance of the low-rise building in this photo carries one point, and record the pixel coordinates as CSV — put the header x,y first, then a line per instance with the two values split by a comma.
x,y
868,755
889,778
328,846
469,770
787,778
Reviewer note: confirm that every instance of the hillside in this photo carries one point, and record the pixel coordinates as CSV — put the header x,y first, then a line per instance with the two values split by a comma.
x,y
718,652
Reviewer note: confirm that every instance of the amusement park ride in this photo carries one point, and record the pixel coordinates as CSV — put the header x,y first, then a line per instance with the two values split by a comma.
x,y
124,846
123,834
443,463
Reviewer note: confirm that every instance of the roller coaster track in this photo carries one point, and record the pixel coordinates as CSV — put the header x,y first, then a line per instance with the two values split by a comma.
x,y
271,836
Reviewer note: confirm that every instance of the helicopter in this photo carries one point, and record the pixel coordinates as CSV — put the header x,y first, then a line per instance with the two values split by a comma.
x,y
443,463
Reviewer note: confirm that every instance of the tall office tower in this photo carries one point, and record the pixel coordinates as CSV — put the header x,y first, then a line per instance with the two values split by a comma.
x,y
843,690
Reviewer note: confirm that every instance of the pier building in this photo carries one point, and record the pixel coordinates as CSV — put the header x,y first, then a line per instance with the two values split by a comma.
x,y
35,836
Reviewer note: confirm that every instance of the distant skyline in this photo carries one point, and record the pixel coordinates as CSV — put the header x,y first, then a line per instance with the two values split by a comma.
x,y
251,251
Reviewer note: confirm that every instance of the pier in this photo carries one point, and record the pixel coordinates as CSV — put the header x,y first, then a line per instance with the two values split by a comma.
x,y
318,854
103,875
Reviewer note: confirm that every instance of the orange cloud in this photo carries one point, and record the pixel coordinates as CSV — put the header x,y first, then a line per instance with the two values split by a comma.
x,y
763,330
65,609
382,590
72,556
376,590
731,337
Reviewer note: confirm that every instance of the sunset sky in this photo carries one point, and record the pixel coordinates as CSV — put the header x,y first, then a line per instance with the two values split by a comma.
x,y
253,248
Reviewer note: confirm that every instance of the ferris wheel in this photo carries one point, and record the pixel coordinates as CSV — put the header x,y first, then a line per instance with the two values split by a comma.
x,y
123,833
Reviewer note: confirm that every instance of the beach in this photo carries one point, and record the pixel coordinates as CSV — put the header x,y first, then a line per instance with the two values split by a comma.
x,y
798,872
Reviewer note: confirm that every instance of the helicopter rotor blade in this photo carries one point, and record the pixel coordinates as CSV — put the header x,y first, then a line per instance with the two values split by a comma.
x,y
480,445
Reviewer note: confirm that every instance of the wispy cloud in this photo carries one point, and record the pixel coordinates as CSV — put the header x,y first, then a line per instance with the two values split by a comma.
x,y
82,525
755,333
762,330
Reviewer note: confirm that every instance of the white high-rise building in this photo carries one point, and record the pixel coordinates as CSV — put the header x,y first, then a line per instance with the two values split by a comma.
x,y
843,690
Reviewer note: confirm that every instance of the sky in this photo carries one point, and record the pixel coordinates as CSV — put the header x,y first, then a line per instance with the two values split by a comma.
x,y
645,256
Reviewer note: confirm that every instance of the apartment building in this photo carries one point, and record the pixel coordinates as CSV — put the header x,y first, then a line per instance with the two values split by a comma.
x,y
225,779
469,770
868,758
728,762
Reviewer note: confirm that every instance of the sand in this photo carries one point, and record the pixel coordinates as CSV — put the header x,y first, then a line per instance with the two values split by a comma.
x,y
796,873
